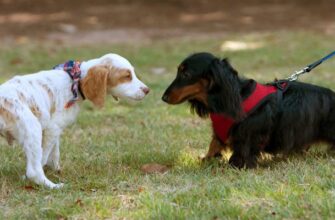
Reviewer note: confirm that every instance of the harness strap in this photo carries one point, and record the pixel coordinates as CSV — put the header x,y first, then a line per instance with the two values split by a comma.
x,y
222,124
282,86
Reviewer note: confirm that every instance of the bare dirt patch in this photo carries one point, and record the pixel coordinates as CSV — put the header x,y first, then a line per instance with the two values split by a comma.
x,y
126,20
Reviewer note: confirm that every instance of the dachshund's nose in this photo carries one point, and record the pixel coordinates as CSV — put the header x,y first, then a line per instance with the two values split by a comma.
x,y
165,98
146,90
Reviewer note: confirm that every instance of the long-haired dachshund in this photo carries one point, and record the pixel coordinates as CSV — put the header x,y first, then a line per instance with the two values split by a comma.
x,y
248,117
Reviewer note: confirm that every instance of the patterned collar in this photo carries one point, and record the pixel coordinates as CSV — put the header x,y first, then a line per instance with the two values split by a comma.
x,y
73,70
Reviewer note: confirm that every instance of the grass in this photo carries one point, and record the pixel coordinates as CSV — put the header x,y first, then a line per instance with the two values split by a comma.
x,y
101,154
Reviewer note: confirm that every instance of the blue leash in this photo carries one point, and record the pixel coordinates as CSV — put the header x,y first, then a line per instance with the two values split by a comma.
x,y
310,67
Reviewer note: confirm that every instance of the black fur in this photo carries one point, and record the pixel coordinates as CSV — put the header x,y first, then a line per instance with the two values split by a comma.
x,y
304,115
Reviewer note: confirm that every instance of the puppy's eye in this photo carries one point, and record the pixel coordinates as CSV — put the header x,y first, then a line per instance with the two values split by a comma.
x,y
127,76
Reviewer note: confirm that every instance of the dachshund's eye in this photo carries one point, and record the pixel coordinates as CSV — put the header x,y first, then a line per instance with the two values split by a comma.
x,y
185,75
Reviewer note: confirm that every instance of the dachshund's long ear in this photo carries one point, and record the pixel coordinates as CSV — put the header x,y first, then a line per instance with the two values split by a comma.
x,y
224,95
199,108
94,85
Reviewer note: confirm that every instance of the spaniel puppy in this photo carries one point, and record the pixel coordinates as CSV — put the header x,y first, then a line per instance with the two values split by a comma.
x,y
249,117
36,108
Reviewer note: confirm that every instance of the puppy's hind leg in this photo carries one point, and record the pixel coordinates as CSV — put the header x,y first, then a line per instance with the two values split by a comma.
x,y
31,140
51,148
53,159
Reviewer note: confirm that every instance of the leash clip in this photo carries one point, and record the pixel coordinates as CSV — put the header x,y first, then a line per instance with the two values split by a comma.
x,y
309,68
296,74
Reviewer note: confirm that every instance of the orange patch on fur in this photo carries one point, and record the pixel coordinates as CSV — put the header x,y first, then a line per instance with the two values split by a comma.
x,y
53,109
47,90
7,104
118,76
94,85
6,115
35,110
99,79
22,97
51,96
9,137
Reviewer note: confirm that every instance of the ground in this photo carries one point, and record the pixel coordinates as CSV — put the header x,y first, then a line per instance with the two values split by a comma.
x,y
77,22
102,153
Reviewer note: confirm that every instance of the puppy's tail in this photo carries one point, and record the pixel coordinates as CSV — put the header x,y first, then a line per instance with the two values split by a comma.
x,y
5,133
2,127
2,124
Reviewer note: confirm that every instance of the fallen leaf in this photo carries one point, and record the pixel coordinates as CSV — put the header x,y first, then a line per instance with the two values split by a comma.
x,y
79,202
154,168
29,188
141,189
16,61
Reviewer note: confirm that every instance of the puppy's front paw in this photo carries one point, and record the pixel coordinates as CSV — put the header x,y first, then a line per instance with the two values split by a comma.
x,y
59,185
56,186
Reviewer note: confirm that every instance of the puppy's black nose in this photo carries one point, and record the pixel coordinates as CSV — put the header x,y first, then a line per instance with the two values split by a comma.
x,y
165,98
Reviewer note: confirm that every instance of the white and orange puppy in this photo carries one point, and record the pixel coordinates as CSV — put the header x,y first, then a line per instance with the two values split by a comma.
x,y
35,109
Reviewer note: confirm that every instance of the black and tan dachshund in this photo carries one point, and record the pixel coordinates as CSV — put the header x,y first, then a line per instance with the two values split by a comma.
x,y
248,117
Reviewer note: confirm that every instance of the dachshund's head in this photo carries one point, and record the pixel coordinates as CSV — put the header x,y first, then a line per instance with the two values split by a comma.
x,y
208,84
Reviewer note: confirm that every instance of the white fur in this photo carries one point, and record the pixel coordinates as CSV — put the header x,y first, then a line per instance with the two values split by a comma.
x,y
49,91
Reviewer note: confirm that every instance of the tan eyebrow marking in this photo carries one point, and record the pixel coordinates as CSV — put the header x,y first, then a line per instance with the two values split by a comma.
x,y
118,76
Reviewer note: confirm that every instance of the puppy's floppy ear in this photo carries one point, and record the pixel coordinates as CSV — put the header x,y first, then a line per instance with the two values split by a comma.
x,y
94,85
224,94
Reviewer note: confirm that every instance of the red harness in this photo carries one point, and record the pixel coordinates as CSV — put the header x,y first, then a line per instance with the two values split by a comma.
x,y
222,124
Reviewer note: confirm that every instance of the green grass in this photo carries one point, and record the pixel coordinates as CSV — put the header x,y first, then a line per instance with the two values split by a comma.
x,y
102,153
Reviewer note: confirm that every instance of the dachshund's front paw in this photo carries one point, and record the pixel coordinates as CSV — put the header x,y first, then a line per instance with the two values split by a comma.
x,y
209,157
240,162
236,161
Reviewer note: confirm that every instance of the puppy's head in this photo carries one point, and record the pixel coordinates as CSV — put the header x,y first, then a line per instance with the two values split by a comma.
x,y
113,75
208,83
